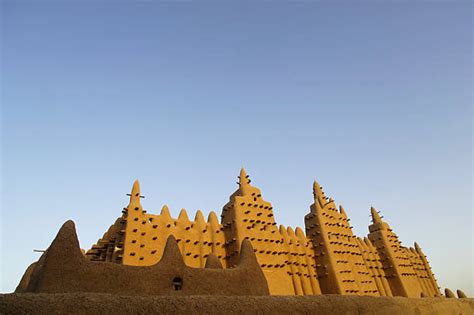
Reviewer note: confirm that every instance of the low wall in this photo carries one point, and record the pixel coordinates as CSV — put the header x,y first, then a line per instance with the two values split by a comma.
x,y
63,269
93,303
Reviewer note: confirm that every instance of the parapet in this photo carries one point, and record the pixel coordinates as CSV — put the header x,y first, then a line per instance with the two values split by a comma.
x,y
64,269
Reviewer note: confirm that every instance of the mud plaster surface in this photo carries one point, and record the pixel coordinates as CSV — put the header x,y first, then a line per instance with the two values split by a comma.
x,y
63,269
93,303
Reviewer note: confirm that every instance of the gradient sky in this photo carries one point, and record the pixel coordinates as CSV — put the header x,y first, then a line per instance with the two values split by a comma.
x,y
374,100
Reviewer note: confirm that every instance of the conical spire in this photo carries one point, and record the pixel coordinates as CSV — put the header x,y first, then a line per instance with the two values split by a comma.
x,y
199,218
247,255
290,231
136,188
243,178
342,211
461,294
317,191
448,293
135,194
244,181
171,255
299,232
165,212
212,262
183,216
282,230
418,248
375,216
212,218
65,246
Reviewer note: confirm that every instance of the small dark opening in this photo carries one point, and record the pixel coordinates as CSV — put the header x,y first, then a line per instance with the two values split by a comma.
x,y
177,283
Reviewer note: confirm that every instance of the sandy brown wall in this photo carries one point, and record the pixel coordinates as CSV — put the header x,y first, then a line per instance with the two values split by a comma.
x,y
81,303
63,268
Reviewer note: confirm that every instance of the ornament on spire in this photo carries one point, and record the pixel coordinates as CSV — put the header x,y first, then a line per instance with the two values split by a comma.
x,y
317,190
244,181
375,215
243,178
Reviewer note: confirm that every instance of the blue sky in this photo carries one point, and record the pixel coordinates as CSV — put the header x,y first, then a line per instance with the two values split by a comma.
x,y
374,100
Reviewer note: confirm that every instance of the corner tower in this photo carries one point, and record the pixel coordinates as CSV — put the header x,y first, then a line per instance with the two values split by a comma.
x,y
399,269
340,266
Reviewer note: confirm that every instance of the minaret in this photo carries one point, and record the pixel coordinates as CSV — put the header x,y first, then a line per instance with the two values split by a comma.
x,y
340,265
399,271
136,237
376,219
248,216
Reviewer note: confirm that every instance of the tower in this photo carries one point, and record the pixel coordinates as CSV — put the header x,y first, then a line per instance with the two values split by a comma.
x,y
327,259
248,216
399,269
340,265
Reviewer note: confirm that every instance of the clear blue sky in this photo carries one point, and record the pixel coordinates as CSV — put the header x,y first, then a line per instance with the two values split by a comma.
x,y
374,100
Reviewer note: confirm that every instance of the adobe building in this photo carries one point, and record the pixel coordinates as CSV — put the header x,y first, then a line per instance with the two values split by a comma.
x,y
326,259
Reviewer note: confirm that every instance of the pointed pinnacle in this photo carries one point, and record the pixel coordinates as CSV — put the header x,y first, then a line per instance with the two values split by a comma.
x,y
199,217
136,188
299,232
212,218
342,211
171,255
290,231
461,294
375,215
212,262
183,215
448,293
317,191
165,211
243,178
417,247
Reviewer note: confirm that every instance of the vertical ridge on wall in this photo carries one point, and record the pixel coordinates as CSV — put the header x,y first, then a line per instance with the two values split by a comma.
x,y
429,276
399,263
248,216
328,258
341,267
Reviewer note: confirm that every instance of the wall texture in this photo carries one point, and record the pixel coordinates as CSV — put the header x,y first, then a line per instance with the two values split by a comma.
x,y
64,269
327,258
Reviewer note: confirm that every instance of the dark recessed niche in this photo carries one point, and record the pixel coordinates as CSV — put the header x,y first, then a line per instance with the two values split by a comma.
x,y
177,283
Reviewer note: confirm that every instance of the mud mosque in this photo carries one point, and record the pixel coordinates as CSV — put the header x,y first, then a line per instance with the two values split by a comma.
x,y
325,258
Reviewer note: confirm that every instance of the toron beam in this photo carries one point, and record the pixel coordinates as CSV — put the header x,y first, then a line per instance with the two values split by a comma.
x,y
326,258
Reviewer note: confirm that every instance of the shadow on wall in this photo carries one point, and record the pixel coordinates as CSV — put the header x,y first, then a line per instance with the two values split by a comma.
x,y
63,268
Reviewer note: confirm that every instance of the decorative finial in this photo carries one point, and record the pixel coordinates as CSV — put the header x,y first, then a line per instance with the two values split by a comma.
x,y
317,191
136,189
448,293
342,211
135,194
417,247
244,182
165,212
461,294
199,218
375,215
183,216
212,218
243,178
